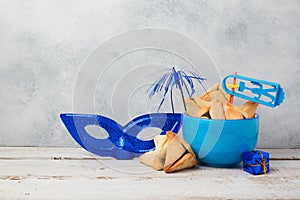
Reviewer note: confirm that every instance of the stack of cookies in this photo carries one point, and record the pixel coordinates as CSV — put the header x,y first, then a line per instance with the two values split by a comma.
x,y
214,104
172,153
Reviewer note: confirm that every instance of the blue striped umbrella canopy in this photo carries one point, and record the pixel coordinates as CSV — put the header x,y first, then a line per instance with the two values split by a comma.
x,y
181,80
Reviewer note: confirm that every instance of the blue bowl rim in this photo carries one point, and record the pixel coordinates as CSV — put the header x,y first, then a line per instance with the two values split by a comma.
x,y
229,120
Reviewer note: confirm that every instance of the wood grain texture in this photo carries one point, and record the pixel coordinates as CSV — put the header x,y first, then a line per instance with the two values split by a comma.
x,y
73,173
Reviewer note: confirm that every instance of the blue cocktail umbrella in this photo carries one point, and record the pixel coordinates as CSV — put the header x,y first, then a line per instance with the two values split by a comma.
x,y
181,80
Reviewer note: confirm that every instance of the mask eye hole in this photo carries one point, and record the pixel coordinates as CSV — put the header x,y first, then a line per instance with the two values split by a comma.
x,y
96,132
148,133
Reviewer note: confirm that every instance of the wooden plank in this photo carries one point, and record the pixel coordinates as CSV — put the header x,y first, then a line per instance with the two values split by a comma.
x,y
65,179
33,173
284,154
44,153
80,153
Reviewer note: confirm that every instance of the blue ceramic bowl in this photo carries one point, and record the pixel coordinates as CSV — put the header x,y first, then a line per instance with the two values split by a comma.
x,y
220,143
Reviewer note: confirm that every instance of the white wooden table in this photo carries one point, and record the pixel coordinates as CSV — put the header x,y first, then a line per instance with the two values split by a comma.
x,y
73,173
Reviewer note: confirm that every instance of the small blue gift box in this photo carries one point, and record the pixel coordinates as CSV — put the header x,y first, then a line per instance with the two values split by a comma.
x,y
256,162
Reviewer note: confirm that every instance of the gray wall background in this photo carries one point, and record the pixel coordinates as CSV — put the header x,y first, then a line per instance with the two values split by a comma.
x,y
43,45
